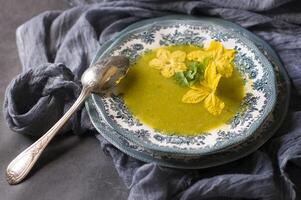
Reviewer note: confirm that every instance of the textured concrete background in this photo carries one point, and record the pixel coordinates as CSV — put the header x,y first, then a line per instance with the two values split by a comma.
x,y
71,167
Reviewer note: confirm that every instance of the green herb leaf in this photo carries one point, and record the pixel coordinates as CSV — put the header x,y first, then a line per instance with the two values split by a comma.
x,y
181,79
193,74
195,71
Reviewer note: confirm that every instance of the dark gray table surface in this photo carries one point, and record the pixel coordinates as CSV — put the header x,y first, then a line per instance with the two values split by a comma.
x,y
72,167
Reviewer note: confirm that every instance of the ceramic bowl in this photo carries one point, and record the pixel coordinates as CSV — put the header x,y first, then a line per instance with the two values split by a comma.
x,y
257,71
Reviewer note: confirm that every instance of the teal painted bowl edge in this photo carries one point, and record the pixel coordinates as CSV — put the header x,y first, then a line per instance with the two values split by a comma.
x,y
284,110
174,17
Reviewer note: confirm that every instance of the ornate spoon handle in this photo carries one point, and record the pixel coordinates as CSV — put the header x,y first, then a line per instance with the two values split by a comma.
x,y
22,164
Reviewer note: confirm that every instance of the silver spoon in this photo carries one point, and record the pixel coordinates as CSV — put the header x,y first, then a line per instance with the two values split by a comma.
x,y
103,75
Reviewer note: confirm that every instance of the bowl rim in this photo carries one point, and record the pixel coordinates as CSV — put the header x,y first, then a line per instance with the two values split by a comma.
x,y
273,128
104,49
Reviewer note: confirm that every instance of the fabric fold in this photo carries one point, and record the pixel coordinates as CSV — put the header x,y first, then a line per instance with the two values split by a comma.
x,y
37,98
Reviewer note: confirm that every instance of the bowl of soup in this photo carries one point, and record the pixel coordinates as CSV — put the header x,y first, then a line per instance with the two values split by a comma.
x,y
192,88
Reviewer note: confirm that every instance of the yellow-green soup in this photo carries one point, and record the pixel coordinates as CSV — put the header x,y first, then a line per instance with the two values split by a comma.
x,y
156,101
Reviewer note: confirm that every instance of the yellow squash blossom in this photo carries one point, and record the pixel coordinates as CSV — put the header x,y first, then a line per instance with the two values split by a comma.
x,y
222,58
206,91
169,62
199,55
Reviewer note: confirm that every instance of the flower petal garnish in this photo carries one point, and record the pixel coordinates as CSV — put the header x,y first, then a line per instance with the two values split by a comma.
x,y
211,77
163,55
198,55
218,62
229,54
169,63
156,63
224,68
222,58
206,91
213,104
178,56
195,95
215,46
180,67
167,72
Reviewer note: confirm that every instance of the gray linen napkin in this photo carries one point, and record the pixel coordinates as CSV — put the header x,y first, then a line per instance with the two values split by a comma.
x,y
55,48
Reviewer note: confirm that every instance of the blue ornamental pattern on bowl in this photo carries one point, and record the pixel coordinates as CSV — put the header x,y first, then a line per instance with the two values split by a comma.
x,y
256,70
263,133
